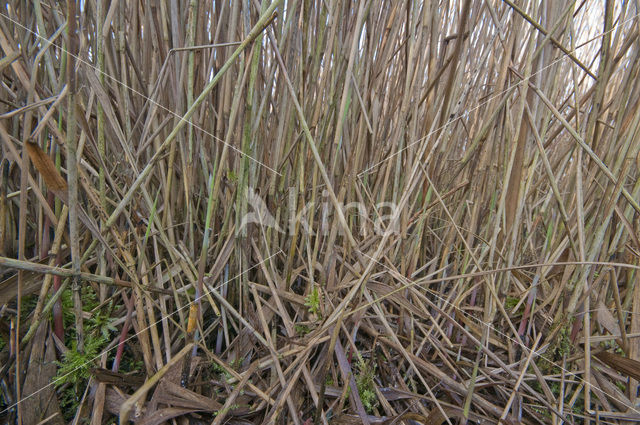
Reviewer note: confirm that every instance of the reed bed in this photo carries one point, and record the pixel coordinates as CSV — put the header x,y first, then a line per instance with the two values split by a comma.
x,y
319,212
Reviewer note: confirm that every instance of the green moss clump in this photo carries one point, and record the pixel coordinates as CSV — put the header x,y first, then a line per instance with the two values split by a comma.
x,y
312,301
366,386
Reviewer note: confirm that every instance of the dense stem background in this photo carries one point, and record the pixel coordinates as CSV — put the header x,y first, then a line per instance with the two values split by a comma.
x,y
485,267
